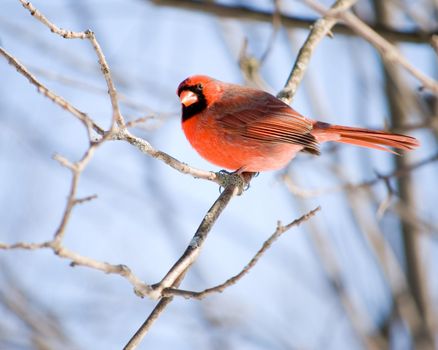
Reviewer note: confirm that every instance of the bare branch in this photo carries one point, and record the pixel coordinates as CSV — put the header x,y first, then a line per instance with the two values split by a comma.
x,y
66,34
176,274
85,199
142,331
386,49
138,121
140,288
25,245
290,22
233,280
146,147
87,34
319,30
400,172
194,248
87,121
76,170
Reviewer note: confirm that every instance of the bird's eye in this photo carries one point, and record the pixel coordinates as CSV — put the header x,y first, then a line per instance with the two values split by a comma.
x,y
199,87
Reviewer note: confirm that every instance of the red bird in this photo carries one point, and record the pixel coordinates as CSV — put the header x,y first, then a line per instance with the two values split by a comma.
x,y
249,130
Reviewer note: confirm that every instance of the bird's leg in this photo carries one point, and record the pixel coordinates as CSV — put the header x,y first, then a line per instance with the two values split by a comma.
x,y
238,178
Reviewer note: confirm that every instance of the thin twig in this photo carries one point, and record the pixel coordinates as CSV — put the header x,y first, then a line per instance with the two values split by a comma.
x,y
93,88
104,67
25,245
391,53
66,34
140,288
87,34
305,193
233,280
76,169
146,147
139,121
60,101
85,199
319,30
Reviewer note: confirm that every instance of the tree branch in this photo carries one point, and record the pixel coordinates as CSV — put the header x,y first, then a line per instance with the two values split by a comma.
x,y
233,280
60,101
177,272
400,172
319,30
140,288
390,53
243,12
145,147
87,34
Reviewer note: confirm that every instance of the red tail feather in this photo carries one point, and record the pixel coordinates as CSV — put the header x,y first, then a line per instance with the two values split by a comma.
x,y
380,140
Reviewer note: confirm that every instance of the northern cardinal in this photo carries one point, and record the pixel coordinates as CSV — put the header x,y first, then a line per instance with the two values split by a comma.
x,y
249,130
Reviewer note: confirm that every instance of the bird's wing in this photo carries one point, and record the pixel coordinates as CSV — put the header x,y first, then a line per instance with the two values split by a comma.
x,y
257,115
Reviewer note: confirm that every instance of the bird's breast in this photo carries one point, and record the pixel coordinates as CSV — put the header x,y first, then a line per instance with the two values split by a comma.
x,y
232,150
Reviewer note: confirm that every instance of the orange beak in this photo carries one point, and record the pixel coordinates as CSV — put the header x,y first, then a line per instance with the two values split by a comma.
x,y
188,98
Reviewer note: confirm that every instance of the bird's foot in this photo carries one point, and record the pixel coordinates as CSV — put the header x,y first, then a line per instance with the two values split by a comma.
x,y
236,178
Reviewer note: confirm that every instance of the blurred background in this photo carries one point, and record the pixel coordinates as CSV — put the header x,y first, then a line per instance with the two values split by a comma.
x,y
361,274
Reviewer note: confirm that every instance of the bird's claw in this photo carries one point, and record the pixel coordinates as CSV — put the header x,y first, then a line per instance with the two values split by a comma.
x,y
236,178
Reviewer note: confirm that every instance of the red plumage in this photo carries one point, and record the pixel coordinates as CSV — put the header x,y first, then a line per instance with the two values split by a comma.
x,y
245,129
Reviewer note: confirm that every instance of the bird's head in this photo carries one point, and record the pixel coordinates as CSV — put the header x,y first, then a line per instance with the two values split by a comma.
x,y
196,93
